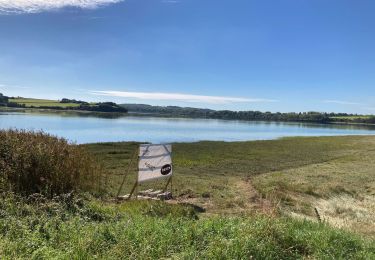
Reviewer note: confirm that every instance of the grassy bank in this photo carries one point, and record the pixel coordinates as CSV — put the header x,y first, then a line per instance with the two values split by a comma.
x,y
260,199
145,230
293,175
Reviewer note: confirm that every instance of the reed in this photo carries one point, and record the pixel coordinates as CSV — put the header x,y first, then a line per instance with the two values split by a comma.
x,y
36,162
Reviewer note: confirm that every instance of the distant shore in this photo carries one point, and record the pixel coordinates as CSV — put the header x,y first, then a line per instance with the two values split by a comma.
x,y
72,112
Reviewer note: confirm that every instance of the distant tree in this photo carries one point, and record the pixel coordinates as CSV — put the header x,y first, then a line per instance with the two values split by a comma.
x,y
3,100
66,101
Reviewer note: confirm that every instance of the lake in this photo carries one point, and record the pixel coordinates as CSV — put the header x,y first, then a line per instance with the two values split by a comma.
x,y
84,129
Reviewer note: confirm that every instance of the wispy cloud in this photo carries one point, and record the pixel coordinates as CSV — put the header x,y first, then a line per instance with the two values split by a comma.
x,y
36,6
180,97
340,102
4,86
170,1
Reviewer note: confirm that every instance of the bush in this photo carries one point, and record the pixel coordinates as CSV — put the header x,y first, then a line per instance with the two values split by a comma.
x,y
35,162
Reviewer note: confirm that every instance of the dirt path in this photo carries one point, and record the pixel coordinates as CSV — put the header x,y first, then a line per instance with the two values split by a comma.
x,y
253,200
246,199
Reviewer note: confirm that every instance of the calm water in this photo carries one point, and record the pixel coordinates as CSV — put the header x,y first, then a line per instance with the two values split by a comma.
x,y
162,130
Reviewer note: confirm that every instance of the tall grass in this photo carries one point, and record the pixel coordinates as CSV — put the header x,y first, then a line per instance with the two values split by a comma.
x,y
155,230
36,162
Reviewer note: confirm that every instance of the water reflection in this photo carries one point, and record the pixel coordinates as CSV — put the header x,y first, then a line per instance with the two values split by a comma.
x,y
88,127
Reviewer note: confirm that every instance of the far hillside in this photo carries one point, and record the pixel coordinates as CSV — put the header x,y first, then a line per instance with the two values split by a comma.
x,y
187,112
63,104
190,112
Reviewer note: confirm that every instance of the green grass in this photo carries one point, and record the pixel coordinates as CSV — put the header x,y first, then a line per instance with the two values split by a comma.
x,y
350,118
294,174
29,102
155,230
235,183
204,165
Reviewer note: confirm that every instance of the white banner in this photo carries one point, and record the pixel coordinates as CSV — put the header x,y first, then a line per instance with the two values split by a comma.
x,y
155,162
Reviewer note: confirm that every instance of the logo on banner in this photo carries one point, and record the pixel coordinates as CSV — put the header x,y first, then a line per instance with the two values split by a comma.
x,y
166,169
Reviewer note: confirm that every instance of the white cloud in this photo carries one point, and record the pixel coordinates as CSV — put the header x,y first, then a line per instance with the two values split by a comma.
x,y
35,6
180,97
170,1
340,102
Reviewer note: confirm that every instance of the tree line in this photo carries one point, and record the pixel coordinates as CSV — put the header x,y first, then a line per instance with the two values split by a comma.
x,y
316,117
83,106
190,112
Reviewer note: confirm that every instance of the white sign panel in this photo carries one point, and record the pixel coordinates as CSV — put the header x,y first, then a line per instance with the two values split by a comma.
x,y
155,162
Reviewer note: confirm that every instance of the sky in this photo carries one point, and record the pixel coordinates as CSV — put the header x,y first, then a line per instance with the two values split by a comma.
x,y
267,55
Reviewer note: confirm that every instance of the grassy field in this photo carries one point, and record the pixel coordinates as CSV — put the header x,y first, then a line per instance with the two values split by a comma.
x,y
259,200
28,102
350,118
292,176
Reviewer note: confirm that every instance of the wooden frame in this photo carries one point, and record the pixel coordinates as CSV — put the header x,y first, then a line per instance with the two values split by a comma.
x,y
136,184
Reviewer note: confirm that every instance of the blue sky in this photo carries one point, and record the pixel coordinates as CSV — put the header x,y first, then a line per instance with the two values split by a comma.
x,y
279,55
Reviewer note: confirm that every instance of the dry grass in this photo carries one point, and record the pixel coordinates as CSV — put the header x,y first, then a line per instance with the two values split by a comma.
x,y
347,212
343,189
35,162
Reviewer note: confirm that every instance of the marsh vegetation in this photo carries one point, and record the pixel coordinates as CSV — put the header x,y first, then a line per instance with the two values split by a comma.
x,y
259,200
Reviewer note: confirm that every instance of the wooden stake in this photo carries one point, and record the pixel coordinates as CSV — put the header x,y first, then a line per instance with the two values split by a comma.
x,y
172,185
166,186
127,173
134,187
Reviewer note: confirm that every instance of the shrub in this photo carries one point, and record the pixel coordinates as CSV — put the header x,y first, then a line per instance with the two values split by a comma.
x,y
35,162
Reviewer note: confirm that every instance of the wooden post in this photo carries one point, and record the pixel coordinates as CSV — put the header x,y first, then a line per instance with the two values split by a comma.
x,y
166,186
133,189
136,182
127,173
172,185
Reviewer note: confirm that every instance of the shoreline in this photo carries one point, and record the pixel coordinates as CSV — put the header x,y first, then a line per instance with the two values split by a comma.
x,y
110,115
285,138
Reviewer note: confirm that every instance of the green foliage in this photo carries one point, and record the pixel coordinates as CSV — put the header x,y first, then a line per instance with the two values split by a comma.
x,y
66,104
73,101
103,107
175,111
87,229
35,162
71,226
3,100
190,112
